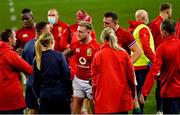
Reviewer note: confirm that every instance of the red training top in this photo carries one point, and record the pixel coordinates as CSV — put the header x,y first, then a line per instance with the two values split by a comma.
x,y
167,62
112,80
24,35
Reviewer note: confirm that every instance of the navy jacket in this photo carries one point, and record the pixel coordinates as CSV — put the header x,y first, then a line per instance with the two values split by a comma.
x,y
54,76
28,55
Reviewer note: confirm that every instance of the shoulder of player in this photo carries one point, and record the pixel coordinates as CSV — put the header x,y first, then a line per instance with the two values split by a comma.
x,y
63,24
95,44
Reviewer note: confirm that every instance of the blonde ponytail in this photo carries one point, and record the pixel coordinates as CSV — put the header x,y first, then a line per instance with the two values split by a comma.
x,y
44,40
108,34
38,52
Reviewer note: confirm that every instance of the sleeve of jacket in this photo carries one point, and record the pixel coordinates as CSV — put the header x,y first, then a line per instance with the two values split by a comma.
x,y
18,63
64,39
95,69
36,83
154,25
155,69
178,28
17,41
145,40
130,75
66,75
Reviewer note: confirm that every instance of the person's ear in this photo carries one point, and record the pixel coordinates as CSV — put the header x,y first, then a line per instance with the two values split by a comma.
x,y
164,33
9,39
115,22
32,17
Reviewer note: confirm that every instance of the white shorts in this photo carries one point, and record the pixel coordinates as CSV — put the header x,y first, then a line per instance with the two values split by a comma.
x,y
82,88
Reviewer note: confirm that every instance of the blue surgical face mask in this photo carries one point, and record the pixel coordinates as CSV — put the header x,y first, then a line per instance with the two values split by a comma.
x,y
52,20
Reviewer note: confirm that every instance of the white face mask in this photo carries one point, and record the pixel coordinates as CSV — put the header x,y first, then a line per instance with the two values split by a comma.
x,y
52,20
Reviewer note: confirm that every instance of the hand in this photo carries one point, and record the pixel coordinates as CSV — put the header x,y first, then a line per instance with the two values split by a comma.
x,y
38,100
50,26
141,99
71,99
135,103
19,51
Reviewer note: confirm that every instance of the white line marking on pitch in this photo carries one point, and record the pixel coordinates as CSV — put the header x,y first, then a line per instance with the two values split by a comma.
x,y
11,9
13,17
11,3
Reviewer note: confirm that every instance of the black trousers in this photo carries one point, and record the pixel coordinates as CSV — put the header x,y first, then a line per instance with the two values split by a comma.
x,y
17,111
171,105
158,98
140,77
54,103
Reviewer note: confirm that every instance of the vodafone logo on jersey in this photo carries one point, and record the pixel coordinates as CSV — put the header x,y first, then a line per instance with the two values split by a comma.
x,y
82,61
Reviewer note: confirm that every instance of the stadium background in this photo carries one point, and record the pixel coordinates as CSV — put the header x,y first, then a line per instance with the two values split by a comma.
x,y
10,15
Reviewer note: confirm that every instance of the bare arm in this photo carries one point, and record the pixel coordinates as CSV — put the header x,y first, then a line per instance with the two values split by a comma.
x,y
136,52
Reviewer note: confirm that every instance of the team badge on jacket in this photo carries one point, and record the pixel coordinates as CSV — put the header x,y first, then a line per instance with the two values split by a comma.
x,y
25,35
60,29
89,52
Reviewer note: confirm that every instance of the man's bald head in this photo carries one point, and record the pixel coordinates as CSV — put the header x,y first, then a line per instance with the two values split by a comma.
x,y
142,16
53,11
53,16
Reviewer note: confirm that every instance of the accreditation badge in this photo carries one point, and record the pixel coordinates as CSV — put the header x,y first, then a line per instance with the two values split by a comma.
x,y
89,52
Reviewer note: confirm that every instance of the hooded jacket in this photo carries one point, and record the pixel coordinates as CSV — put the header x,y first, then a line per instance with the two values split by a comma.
x,y
11,92
113,83
144,38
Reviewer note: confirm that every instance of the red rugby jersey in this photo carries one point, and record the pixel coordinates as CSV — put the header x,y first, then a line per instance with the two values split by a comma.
x,y
125,39
84,54
66,40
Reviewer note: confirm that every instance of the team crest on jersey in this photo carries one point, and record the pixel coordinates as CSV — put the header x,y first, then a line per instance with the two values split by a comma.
x,y
82,60
25,35
89,52
77,49
60,29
